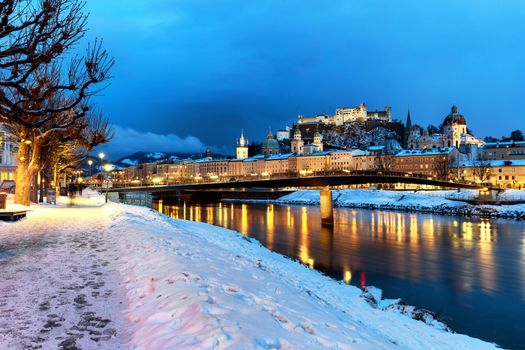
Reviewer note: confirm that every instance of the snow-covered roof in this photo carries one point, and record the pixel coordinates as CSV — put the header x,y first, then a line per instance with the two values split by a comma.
x,y
376,148
425,152
493,163
504,144
208,160
316,154
254,158
280,156
359,152
472,139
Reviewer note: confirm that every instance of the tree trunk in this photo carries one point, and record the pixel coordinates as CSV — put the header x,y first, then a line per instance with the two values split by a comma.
x,y
28,166
23,179
41,187
34,188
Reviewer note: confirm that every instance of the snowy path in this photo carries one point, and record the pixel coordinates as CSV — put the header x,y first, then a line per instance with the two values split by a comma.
x,y
56,289
118,276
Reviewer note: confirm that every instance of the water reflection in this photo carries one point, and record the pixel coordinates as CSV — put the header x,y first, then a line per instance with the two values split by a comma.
x,y
471,271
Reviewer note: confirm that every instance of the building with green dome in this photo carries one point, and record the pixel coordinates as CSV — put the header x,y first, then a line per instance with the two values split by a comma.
x,y
270,146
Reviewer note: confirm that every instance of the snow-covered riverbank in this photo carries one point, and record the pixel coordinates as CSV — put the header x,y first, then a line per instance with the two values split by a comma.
x,y
439,202
117,276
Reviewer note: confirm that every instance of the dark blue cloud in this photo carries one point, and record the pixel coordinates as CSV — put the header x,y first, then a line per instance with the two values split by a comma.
x,y
208,68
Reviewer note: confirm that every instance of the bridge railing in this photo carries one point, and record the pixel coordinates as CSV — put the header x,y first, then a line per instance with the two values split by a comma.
x,y
283,176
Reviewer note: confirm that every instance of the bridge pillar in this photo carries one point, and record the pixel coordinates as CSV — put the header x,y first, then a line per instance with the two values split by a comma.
x,y
327,210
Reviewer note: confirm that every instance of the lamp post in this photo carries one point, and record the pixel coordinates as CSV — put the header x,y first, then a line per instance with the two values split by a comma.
x,y
101,155
90,163
107,168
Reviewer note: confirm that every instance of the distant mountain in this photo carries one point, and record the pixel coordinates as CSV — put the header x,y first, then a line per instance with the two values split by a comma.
x,y
157,157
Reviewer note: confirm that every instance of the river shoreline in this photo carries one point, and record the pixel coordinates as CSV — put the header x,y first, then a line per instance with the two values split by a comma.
x,y
417,202
177,283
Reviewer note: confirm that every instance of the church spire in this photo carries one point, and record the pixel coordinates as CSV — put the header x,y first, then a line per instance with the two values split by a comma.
x,y
242,140
409,120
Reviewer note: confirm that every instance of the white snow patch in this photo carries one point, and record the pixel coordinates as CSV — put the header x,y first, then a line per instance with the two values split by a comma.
x,y
156,155
426,201
130,162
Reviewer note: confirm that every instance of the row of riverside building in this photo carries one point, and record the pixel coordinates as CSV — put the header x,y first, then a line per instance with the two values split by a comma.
x,y
432,163
451,155
507,171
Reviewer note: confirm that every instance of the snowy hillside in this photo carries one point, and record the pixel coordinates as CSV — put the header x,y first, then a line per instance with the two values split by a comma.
x,y
355,135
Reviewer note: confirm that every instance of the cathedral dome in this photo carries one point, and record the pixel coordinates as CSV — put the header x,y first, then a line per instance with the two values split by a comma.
x,y
270,142
454,118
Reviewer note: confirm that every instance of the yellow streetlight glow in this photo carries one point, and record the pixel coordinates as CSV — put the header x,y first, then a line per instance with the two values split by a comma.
x,y
108,167
156,180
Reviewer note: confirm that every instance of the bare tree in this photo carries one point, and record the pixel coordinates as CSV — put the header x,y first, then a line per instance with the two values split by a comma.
x,y
385,162
481,169
41,94
442,168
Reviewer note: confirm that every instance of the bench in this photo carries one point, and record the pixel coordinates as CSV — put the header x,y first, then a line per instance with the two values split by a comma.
x,y
12,215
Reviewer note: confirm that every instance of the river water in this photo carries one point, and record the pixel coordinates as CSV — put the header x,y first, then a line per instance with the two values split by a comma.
x,y
470,271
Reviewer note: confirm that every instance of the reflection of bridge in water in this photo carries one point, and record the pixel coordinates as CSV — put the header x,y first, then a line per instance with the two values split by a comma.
x,y
325,183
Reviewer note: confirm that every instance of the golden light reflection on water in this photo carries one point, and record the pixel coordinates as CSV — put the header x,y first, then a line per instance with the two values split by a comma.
x,y
270,226
402,245
244,219
304,247
347,275
209,215
414,238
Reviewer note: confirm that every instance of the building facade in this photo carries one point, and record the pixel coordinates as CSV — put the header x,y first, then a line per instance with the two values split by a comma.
x,y
435,162
504,173
8,151
503,150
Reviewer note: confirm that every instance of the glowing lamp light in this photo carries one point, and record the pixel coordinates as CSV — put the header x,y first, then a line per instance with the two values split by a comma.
x,y
108,168
156,180
90,162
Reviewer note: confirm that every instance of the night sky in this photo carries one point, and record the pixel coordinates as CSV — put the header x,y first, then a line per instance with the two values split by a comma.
x,y
192,73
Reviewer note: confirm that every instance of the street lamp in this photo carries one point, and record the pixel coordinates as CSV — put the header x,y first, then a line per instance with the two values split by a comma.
x,y
90,163
101,155
107,168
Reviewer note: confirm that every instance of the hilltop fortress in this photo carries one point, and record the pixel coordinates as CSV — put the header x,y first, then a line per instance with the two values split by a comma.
x,y
346,115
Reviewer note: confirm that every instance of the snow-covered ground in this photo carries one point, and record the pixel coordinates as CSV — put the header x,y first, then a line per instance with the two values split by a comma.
x,y
441,202
116,276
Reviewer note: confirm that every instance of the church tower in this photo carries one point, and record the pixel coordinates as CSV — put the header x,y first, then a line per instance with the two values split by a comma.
x,y
318,140
297,142
242,147
407,132
208,154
